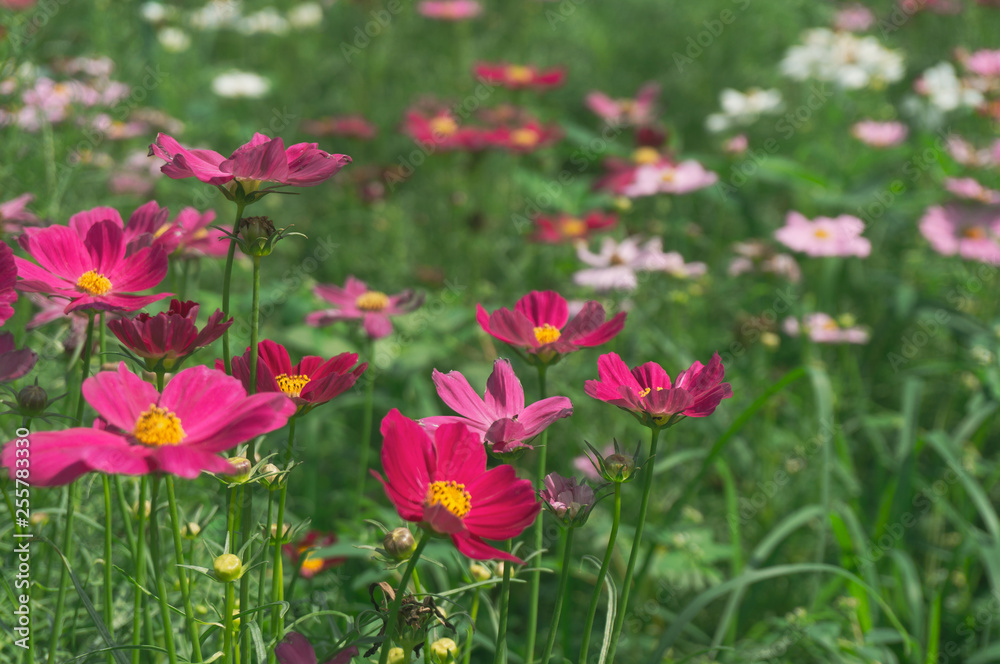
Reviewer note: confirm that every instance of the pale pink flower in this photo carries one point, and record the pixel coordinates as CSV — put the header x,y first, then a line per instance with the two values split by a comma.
x,y
450,10
615,266
755,256
972,232
854,18
984,63
666,177
737,144
967,154
823,329
638,111
879,134
839,236
971,189
14,214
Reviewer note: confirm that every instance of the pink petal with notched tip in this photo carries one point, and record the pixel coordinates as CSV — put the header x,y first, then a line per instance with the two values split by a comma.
x,y
184,163
309,166
377,325
587,336
460,456
106,243
511,327
502,505
538,416
60,251
408,461
614,372
142,270
82,222
188,462
475,548
262,161
62,456
504,393
456,392
544,307
120,397
652,376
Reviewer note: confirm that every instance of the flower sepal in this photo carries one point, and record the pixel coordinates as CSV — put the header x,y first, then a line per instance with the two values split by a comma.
x,y
257,236
32,401
616,467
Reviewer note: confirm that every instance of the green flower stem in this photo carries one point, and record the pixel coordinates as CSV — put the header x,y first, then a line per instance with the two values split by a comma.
x,y
161,587
109,601
588,626
647,484
67,543
563,582
247,526
123,508
366,424
500,652
227,619
175,522
277,575
140,571
390,626
227,279
536,577
262,576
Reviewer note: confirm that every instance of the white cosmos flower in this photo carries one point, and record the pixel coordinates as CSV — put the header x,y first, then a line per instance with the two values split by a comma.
x,y
306,15
843,58
240,84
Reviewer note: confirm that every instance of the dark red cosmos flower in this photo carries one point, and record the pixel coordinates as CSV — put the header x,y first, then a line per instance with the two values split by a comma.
x,y
540,326
648,394
171,335
351,126
517,77
526,137
309,564
441,130
311,382
8,278
565,227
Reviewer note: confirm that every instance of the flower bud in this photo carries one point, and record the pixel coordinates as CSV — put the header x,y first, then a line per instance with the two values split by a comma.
x,y
618,467
480,572
32,400
396,656
227,567
444,651
271,476
241,469
191,530
399,544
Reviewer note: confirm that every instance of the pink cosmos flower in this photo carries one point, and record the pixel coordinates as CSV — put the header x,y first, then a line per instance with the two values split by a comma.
x,y
648,394
200,413
169,336
527,137
439,128
14,363
310,383
565,497
442,483
263,159
879,134
971,232
638,111
968,155
301,553
14,214
296,649
351,126
516,77
540,326
144,228
74,332
854,18
971,189
984,63
449,10
616,266
356,301
736,145
823,329
667,177
8,279
501,420
92,274
565,227
839,236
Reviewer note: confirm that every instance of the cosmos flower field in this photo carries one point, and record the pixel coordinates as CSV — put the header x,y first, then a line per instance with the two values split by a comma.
x,y
522,332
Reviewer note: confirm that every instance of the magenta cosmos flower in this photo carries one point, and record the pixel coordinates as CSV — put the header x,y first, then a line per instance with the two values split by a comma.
x,y
8,279
94,273
169,336
972,232
638,111
201,412
565,227
648,394
263,159
296,649
14,362
311,382
839,236
356,301
501,419
566,498
442,483
540,326
449,10
517,77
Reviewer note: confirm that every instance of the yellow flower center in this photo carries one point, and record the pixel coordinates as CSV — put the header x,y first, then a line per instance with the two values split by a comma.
x,y
311,564
158,426
372,301
627,105
646,155
573,227
291,385
518,74
443,126
451,495
668,175
974,233
524,137
646,391
94,283
821,233
547,333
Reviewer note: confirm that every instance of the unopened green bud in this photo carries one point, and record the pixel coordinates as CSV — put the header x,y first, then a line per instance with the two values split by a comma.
x,y
271,477
241,469
399,544
618,467
227,567
396,656
479,572
444,651
32,400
